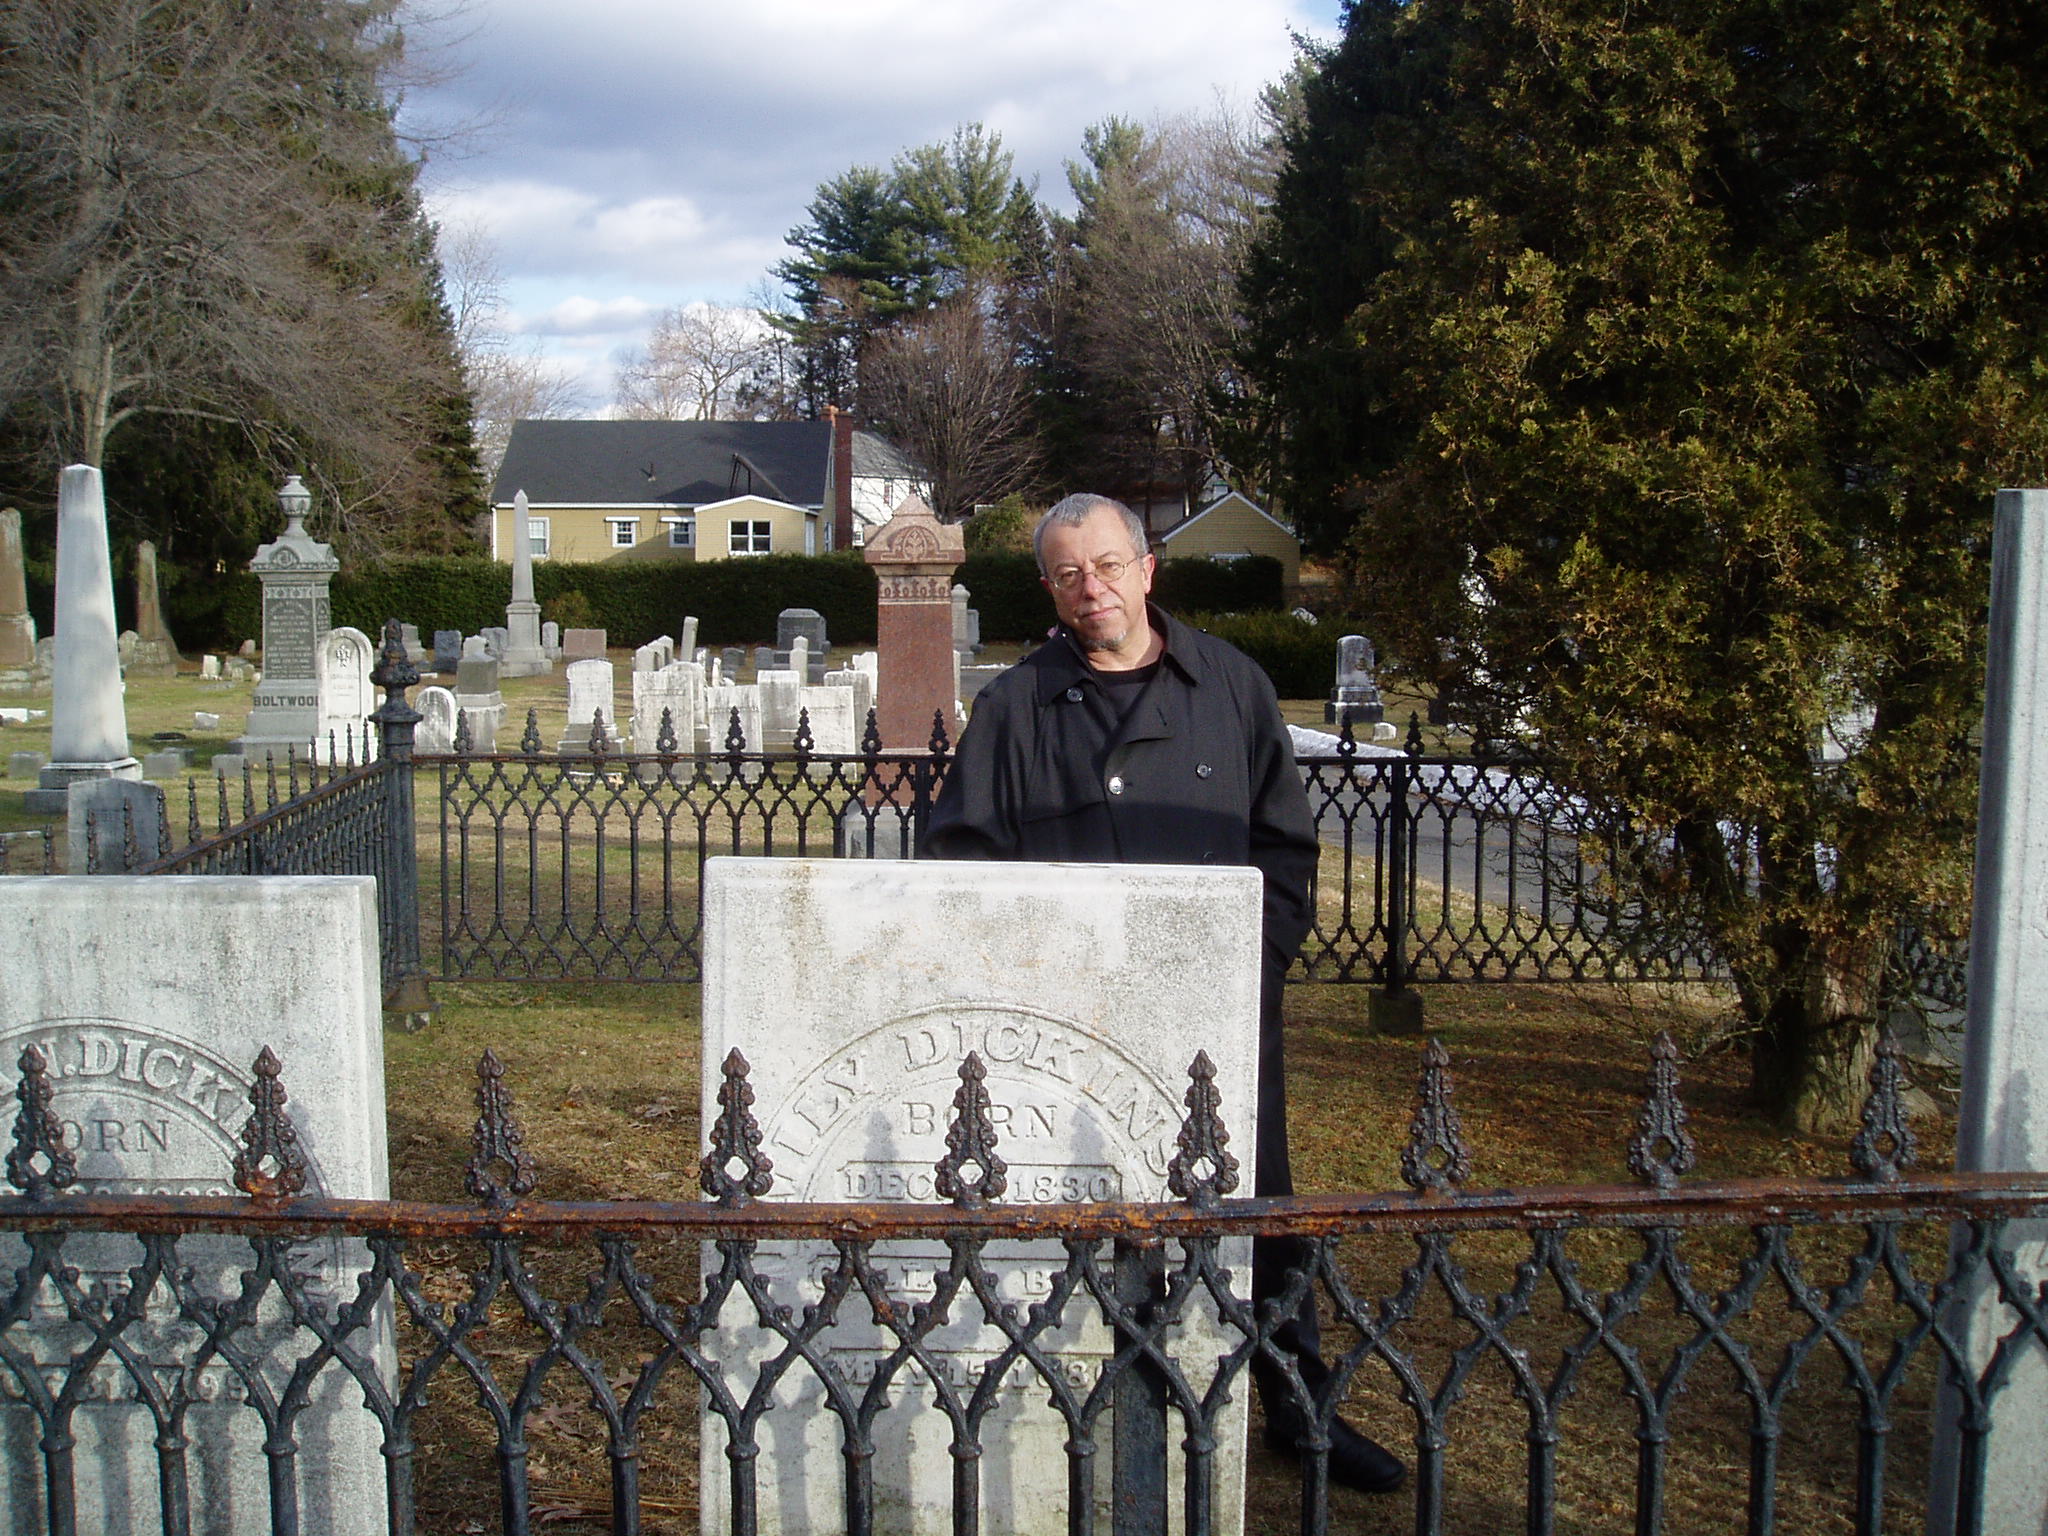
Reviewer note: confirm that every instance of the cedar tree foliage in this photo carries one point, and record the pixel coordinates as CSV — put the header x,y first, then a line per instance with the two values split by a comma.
x,y
1654,367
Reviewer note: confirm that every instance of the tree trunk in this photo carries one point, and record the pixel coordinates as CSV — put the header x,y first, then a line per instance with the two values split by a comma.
x,y
1817,1036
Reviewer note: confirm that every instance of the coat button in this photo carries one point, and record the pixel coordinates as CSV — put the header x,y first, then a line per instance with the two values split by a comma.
x,y
1073,695
1116,784
1203,770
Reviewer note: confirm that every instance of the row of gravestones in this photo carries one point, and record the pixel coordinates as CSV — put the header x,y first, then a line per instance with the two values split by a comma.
x,y
149,1004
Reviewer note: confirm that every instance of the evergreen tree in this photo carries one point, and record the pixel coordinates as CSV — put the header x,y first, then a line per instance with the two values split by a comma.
x,y
1655,367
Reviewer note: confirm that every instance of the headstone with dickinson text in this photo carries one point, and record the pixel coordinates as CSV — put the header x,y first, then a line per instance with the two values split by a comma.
x,y
1085,990
149,999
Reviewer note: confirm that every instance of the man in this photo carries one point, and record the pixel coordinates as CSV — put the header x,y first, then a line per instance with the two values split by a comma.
x,y
1130,738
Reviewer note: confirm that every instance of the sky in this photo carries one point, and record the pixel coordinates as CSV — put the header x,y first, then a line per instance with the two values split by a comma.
x,y
625,156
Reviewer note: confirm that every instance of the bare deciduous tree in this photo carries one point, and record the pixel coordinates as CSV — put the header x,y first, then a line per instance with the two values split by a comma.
x,y
207,214
944,387
508,380
696,366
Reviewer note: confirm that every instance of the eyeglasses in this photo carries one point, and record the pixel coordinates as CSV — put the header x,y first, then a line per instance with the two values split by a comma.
x,y
1108,570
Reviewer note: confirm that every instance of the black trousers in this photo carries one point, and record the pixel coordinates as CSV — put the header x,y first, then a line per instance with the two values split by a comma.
x,y
1274,1257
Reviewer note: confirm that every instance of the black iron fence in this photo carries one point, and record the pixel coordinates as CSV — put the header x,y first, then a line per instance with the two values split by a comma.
x,y
560,867
1542,1357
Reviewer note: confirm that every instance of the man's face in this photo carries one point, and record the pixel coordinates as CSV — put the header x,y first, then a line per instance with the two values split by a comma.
x,y
1102,615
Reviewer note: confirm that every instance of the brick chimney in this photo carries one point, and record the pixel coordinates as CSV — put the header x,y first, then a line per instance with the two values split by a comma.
x,y
841,490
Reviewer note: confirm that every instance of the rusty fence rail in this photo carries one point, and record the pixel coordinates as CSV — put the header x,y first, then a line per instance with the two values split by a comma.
x,y
1767,1324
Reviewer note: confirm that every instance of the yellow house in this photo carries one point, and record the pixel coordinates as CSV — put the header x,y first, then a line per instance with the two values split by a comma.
x,y
1229,528
686,490
662,530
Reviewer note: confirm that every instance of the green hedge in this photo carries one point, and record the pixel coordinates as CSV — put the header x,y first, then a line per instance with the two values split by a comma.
x,y
1251,584
1300,658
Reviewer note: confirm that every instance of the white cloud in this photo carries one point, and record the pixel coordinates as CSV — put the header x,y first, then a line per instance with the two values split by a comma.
x,y
583,316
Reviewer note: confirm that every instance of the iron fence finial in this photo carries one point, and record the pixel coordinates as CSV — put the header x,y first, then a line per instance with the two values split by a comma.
x,y
939,743
1884,1149
1347,738
268,1136
465,742
1662,1148
735,737
1436,1158
1203,1139
529,739
871,738
497,1138
600,743
1412,744
38,1133
804,742
735,1138
971,1139
665,734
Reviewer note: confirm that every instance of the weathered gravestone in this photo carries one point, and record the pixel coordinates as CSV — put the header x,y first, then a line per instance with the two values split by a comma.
x,y
721,702
436,731
551,641
477,695
150,998
677,689
590,694
829,712
295,571
155,653
447,649
807,622
1085,990
112,825
1355,696
342,668
583,645
17,628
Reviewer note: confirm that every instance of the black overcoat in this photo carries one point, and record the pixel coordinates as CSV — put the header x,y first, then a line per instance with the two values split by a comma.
x,y
1200,771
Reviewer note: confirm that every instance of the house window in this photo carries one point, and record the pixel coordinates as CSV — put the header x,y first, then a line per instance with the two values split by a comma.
x,y
682,532
748,538
810,535
625,531
537,537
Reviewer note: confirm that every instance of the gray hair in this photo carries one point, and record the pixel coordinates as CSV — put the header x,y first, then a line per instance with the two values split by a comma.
x,y
1076,509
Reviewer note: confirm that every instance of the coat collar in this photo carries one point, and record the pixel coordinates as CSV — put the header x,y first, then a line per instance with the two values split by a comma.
x,y
1061,664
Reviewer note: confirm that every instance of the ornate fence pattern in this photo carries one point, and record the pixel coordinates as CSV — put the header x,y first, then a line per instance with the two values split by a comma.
x,y
1505,1328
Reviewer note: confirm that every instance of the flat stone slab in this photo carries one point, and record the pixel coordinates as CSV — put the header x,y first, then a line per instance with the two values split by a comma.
x,y
1086,991
151,997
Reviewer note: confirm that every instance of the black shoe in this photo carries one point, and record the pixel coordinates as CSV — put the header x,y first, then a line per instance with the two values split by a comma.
x,y
1355,1461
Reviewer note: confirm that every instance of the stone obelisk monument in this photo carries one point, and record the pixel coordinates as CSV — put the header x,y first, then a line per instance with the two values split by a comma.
x,y
156,653
523,654
88,722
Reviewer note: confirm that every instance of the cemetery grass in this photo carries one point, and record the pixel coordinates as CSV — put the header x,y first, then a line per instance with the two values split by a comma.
x,y
1548,1081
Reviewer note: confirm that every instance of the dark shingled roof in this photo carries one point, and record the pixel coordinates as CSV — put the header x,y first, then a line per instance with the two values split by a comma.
x,y
689,463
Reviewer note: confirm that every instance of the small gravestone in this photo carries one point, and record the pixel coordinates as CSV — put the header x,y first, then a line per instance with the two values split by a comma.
x,y
150,999
22,765
583,645
436,731
409,638
205,720
731,660
807,622
112,826
647,658
764,659
677,688
88,721
209,668
1356,695
1088,991
800,659
229,765
167,764
343,666
447,649
477,695
590,693
777,691
721,702
551,640
247,649
862,686
497,638
686,642
960,596
831,714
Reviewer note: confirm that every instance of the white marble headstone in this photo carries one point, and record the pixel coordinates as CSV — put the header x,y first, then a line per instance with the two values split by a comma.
x,y
590,690
1086,990
436,731
342,663
677,688
151,997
